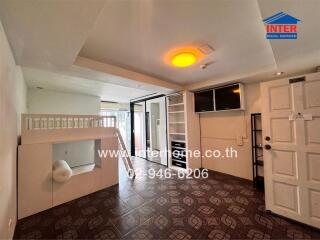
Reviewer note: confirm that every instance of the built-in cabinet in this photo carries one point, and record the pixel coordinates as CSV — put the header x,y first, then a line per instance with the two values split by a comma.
x,y
37,190
223,98
183,132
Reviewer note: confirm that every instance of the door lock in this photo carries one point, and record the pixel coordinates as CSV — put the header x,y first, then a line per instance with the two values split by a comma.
x,y
267,138
267,147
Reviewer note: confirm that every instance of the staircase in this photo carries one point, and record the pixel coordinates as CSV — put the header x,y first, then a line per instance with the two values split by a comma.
x,y
126,157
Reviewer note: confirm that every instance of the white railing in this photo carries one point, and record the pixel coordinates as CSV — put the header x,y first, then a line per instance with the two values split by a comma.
x,y
60,121
31,122
126,157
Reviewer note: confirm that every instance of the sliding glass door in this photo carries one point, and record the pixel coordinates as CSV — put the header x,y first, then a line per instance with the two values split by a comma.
x,y
149,129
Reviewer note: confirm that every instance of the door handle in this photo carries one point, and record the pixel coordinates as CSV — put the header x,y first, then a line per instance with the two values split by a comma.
x,y
267,147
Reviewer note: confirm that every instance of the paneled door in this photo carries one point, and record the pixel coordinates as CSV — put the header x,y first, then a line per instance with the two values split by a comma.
x,y
291,132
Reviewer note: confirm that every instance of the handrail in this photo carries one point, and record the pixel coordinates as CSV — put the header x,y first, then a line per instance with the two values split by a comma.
x,y
30,122
126,157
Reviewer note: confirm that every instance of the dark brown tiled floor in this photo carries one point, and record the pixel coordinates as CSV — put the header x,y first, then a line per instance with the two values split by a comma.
x,y
220,207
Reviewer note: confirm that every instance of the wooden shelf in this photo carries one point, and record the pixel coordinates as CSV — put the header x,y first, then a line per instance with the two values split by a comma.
x,y
177,112
177,140
259,157
175,104
180,108
182,148
259,162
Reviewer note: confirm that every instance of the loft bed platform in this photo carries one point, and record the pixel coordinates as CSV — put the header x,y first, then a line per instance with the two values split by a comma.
x,y
43,135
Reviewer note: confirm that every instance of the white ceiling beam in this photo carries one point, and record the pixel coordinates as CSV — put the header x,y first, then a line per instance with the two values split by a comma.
x,y
124,73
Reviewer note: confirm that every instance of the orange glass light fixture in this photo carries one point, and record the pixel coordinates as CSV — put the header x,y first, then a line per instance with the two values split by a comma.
x,y
183,56
184,59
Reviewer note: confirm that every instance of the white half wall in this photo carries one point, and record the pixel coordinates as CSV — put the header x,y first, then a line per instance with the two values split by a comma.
x,y
41,101
13,93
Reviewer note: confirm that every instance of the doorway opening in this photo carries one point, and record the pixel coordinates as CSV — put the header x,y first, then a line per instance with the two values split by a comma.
x,y
122,113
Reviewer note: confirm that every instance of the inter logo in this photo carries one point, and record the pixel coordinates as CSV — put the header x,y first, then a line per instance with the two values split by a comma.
x,y
281,26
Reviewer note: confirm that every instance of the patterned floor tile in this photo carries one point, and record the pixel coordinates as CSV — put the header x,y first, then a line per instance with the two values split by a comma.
x,y
220,207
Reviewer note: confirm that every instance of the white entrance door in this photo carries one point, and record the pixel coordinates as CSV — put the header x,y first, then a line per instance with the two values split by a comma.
x,y
292,165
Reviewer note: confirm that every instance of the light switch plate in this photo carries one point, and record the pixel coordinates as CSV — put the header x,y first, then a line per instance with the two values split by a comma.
x,y
239,140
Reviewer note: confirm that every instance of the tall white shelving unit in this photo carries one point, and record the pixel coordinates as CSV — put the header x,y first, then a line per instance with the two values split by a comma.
x,y
183,131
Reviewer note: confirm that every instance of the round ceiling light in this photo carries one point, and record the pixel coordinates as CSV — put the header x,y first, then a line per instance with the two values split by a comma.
x,y
184,59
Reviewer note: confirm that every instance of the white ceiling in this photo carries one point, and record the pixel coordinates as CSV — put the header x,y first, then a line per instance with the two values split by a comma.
x,y
135,34
48,33
62,82
46,37
143,31
303,54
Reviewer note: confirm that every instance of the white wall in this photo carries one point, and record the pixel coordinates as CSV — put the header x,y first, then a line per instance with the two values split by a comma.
x,y
43,101
12,104
76,153
54,102
220,130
